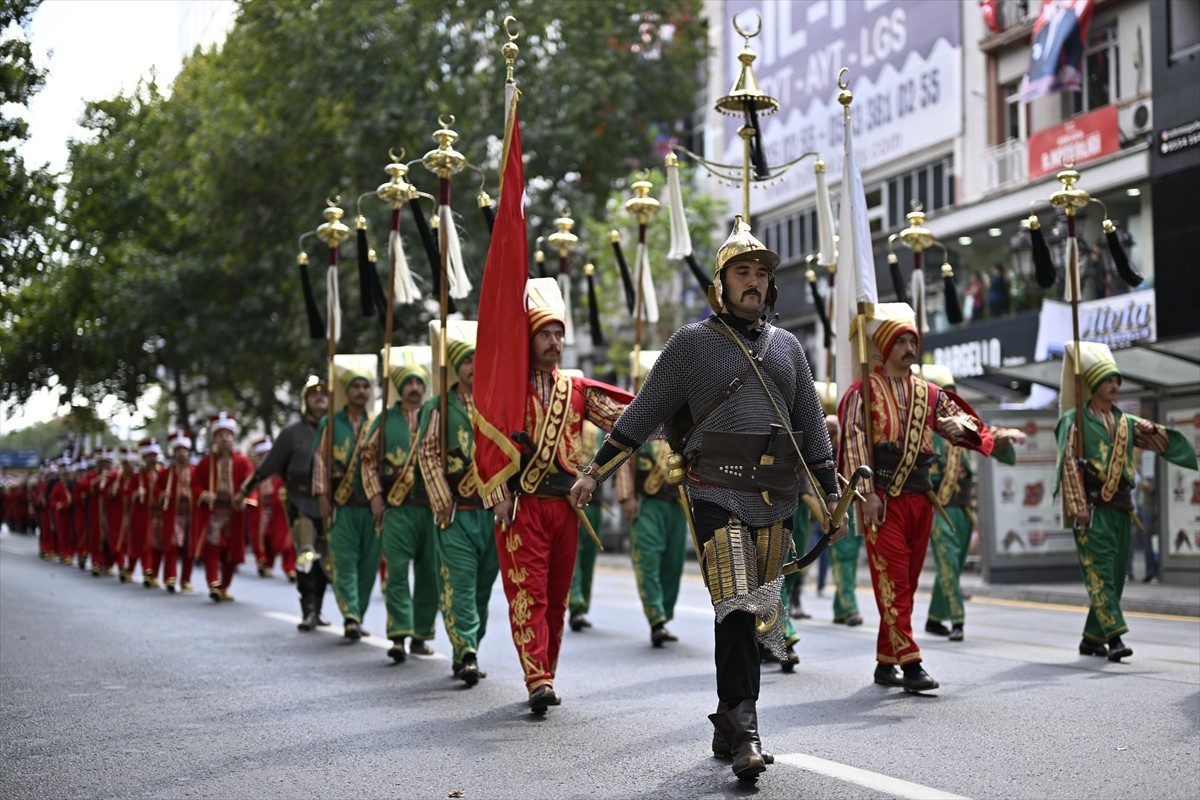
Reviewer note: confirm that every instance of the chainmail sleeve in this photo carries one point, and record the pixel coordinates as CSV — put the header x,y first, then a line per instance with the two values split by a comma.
x,y
662,395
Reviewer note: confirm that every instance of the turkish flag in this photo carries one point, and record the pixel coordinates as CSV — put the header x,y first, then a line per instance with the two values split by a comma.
x,y
502,352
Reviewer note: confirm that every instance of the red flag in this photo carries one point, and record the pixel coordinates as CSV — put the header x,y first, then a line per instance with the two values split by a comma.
x,y
501,353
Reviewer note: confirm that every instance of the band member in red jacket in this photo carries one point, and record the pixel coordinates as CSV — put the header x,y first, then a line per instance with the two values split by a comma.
x,y
219,522
173,496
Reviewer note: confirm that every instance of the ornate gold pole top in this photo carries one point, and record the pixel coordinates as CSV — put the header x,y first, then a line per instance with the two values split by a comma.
x,y
746,92
845,96
333,231
641,205
563,240
509,49
1069,199
445,161
916,236
398,190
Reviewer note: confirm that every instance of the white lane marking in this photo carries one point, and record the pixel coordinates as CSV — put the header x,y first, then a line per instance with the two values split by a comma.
x,y
371,641
871,780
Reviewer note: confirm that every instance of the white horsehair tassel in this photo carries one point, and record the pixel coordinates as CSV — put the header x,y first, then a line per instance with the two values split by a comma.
x,y
1072,288
460,285
681,236
827,254
918,298
404,289
646,288
333,303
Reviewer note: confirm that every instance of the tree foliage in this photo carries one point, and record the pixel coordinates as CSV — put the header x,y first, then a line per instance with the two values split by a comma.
x,y
183,209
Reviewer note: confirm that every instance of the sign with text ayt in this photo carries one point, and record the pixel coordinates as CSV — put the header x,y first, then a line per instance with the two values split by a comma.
x,y
904,62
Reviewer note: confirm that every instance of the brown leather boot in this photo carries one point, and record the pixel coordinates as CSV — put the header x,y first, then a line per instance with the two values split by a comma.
x,y
728,732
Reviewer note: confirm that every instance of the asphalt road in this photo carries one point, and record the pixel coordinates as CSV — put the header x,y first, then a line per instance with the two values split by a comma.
x,y
110,690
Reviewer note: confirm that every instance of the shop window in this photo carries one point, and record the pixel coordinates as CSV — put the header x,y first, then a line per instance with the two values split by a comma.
x,y
1101,75
1183,30
1015,127
931,185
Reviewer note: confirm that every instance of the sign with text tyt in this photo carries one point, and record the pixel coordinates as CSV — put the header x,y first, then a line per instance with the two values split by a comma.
x,y
904,62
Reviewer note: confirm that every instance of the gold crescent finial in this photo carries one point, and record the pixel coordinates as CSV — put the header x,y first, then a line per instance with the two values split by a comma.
x,y
747,34
512,37
337,198
396,158
1068,164
842,84
442,120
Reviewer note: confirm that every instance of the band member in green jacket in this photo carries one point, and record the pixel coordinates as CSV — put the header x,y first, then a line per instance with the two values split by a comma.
x,y
1097,490
465,539
342,501
953,481
400,508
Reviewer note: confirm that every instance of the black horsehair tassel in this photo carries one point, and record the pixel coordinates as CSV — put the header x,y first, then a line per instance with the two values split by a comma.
x,y
430,245
897,279
630,297
378,298
593,308
701,278
819,304
1119,257
758,155
1043,267
316,326
489,216
954,314
366,295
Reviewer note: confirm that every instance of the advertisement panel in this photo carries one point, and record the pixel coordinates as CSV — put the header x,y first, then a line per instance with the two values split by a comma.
x,y
1022,515
904,62
1179,534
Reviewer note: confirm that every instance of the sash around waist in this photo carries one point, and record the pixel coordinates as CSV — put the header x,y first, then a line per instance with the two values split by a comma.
x,y
732,460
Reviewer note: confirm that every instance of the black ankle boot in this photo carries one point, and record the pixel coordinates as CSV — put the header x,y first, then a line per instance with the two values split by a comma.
x,y
748,759
308,612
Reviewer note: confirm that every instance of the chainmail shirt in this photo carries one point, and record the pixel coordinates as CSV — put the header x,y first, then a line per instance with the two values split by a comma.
x,y
695,365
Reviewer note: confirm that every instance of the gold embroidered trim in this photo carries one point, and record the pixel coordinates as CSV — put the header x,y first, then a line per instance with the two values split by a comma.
x,y
342,495
407,477
918,410
1116,459
951,474
550,433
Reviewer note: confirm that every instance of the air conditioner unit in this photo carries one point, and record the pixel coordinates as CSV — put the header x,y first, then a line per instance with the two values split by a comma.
x,y
1135,120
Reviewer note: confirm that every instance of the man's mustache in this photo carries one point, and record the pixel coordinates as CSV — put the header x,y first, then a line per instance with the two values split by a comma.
x,y
749,292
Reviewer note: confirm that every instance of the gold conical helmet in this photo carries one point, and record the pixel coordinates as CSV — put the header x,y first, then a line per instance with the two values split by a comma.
x,y
741,247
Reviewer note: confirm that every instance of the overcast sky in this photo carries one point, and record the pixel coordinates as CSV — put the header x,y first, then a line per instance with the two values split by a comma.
x,y
96,49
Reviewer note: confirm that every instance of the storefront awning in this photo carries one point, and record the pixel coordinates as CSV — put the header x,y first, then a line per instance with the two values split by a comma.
x,y
1167,366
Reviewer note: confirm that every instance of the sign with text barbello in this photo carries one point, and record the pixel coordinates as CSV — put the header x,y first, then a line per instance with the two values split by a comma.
x,y
904,69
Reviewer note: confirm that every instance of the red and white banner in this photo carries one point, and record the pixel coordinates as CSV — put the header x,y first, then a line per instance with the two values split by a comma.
x,y
1076,141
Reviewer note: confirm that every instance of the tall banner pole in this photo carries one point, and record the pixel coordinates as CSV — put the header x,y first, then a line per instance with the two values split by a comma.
x,y
445,162
332,233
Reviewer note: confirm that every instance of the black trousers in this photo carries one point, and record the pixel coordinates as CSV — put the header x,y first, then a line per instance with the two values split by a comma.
x,y
736,653
311,585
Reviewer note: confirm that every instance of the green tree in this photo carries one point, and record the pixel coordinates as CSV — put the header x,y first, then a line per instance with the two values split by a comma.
x,y
184,210
27,216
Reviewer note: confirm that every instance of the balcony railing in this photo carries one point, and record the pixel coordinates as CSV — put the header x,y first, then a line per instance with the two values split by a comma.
x,y
1007,164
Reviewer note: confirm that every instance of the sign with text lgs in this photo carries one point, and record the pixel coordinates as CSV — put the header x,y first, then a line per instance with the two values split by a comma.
x,y
1077,140
904,64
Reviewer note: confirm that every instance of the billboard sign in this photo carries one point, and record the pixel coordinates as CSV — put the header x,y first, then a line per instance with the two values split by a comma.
x,y
904,62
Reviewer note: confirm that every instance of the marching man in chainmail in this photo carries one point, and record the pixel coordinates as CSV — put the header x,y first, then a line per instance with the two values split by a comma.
x,y
290,458
738,396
